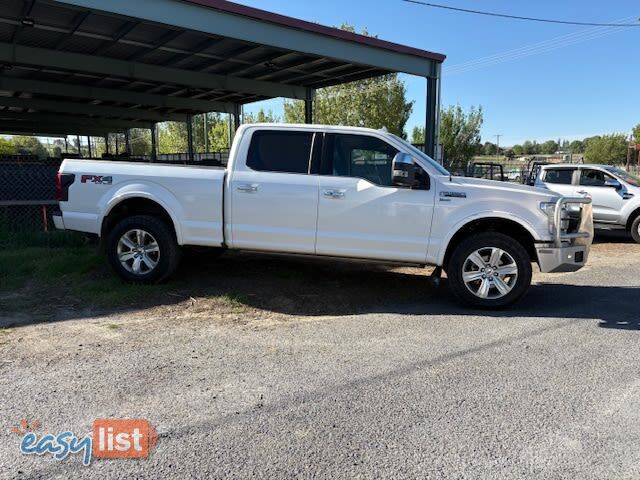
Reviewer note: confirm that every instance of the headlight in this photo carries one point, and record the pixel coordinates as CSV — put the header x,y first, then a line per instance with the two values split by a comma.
x,y
550,209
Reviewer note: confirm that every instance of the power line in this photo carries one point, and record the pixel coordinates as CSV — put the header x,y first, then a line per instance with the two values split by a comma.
x,y
533,49
516,17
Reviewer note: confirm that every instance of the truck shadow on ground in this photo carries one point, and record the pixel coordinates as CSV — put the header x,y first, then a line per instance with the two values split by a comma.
x,y
315,288
259,284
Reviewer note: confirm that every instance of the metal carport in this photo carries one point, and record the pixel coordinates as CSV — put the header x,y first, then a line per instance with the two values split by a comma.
x,y
92,67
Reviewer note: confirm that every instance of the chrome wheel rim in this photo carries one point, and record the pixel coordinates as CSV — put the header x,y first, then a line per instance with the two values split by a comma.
x,y
490,273
138,252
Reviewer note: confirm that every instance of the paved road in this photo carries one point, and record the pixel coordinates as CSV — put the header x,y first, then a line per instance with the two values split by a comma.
x,y
549,389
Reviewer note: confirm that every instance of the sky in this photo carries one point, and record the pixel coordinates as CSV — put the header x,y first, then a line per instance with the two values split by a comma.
x,y
541,82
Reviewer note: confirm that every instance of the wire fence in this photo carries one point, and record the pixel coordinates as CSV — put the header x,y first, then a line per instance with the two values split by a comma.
x,y
27,196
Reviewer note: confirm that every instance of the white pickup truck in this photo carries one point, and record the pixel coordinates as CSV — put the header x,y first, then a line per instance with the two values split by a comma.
x,y
328,191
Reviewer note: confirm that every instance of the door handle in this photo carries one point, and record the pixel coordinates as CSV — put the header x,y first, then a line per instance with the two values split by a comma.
x,y
334,194
582,192
248,188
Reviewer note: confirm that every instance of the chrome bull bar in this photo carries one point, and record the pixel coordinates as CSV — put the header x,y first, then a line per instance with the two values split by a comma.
x,y
585,230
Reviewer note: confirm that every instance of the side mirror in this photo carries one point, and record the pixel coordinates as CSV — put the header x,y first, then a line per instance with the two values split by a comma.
x,y
613,183
404,170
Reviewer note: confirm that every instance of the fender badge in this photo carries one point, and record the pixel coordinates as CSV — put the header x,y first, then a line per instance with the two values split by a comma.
x,y
453,195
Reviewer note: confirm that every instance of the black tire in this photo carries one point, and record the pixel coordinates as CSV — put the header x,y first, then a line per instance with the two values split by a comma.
x,y
168,249
635,229
518,284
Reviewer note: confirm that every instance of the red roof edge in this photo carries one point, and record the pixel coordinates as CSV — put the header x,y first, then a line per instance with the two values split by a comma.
x,y
265,16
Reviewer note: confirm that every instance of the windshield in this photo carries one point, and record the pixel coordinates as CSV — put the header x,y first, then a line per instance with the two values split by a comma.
x,y
625,176
419,153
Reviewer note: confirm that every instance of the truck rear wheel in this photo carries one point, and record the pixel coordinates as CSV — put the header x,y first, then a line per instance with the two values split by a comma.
x,y
489,270
142,249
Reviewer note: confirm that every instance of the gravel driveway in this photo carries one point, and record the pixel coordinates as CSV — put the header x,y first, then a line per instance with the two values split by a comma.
x,y
417,389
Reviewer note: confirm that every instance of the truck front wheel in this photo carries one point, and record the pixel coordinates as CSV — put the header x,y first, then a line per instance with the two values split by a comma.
x,y
142,249
489,270
635,229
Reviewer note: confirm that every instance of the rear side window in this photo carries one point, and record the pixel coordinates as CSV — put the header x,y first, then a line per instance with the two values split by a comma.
x,y
561,176
274,151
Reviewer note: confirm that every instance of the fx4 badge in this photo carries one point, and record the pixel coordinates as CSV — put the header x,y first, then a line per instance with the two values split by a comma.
x,y
97,179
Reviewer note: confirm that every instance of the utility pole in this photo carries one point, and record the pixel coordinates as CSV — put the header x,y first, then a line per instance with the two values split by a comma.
x,y
498,145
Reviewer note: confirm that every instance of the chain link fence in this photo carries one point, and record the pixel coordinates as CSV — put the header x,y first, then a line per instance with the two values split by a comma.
x,y
27,197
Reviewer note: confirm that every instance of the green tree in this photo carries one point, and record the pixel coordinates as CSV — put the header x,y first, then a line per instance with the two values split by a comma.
x,y
518,150
7,147
549,147
375,103
609,149
172,137
636,133
140,141
29,146
418,135
489,148
577,146
460,134
261,117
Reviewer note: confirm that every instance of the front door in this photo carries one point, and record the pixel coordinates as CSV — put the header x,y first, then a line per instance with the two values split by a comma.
x,y
607,201
360,213
274,200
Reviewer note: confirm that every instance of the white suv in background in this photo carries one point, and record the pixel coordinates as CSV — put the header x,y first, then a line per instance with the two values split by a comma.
x,y
615,193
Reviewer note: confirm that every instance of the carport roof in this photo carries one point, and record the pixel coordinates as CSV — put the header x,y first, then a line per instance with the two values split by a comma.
x,y
131,63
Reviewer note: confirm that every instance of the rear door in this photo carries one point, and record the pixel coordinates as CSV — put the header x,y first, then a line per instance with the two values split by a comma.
x,y
560,180
607,201
274,200
360,213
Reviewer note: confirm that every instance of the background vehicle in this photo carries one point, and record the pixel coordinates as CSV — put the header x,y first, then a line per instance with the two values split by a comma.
x,y
615,193
328,191
486,170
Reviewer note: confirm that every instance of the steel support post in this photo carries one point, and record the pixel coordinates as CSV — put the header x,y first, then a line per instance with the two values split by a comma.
x,y
308,106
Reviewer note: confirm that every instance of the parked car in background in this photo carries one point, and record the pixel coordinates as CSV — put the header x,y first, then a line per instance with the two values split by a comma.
x,y
332,192
615,193
514,175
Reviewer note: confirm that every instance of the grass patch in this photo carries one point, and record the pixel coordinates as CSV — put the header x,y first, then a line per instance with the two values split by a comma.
x,y
235,302
6,331
113,326
36,238
39,279
19,267
78,274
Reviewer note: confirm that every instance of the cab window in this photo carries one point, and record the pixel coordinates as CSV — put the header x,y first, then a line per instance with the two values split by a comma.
x,y
562,176
359,156
593,178
280,151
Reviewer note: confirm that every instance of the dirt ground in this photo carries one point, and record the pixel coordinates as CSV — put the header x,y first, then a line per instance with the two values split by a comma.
x,y
271,366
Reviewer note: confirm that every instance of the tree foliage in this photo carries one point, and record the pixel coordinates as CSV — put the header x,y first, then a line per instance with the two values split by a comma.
x,y
7,147
460,134
549,147
609,149
489,149
374,103
29,146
